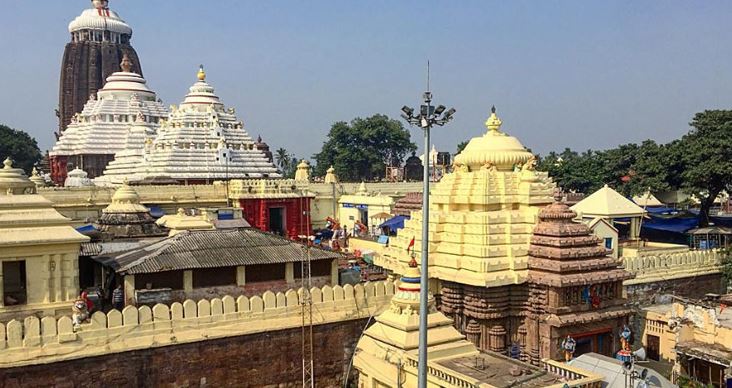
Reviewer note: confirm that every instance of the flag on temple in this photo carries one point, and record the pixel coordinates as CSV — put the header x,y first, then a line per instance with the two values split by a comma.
x,y
411,244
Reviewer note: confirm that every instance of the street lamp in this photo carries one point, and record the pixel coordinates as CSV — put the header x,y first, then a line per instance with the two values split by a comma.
x,y
428,117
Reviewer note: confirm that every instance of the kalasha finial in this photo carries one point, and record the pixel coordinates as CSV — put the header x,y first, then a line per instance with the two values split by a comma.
x,y
201,74
8,163
493,123
126,64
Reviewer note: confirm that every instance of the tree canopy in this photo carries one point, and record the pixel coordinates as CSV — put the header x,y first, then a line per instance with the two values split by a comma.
x,y
698,163
361,149
20,147
705,158
286,162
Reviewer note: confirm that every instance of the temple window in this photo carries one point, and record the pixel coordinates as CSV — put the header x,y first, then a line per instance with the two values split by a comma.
x,y
14,283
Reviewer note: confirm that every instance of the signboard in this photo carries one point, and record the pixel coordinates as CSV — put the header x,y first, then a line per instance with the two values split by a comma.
x,y
357,206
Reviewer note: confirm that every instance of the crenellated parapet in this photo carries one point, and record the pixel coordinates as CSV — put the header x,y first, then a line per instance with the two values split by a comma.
x,y
267,188
49,339
673,265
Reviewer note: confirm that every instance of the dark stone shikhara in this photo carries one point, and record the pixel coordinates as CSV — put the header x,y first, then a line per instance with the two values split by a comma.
x,y
574,289
85,66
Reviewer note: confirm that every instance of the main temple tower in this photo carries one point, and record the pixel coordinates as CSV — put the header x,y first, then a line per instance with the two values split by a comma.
x,y
99,40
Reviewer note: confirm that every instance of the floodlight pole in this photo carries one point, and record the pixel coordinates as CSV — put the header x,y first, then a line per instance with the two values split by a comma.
x,y
427,117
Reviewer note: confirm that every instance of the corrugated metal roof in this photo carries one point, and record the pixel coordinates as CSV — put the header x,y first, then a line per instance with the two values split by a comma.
x,y
211,249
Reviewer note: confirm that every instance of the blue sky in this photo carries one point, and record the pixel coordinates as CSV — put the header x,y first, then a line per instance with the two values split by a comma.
x,y
579,74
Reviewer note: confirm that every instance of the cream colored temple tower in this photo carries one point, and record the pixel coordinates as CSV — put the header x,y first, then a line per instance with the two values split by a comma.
x,y
39,250
481,215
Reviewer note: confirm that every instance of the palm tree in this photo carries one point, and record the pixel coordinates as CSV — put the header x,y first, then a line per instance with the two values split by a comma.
x,y
282,158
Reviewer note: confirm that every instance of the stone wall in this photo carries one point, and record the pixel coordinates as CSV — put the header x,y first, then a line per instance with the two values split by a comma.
x,y
253,360
684,273
50,340
81,203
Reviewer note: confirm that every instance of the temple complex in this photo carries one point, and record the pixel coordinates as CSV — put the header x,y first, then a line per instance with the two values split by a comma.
x,y
201,141
39,250
99,40
485,247
101,129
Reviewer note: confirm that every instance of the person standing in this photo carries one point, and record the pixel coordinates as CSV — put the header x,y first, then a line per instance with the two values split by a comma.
x,y
118,298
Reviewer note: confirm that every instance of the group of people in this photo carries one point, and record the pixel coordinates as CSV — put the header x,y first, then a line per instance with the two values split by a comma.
x,y
84,307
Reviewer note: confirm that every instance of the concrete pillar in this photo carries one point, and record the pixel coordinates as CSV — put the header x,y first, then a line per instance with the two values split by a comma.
x,y
241,275
334,272
188,280
634,227
129,288
2,288
290,272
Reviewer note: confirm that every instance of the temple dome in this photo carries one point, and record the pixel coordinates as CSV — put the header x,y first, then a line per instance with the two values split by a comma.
x,y
494,148
100,17
37,179
14,181
125,200
303,171
126,82
330,176
78,178
201,92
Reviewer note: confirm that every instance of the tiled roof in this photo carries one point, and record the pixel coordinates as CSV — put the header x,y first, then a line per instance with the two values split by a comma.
x,y
212,249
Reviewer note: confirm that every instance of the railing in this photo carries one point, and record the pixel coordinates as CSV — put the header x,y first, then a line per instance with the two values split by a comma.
x,y
574,377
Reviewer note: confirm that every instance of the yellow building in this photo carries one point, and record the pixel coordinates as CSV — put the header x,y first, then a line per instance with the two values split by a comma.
x,y
696,337
481,215
39,250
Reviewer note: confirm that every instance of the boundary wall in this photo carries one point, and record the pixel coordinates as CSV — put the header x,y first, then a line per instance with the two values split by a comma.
x,y
48,340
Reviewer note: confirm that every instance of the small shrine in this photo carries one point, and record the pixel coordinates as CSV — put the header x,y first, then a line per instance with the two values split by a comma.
x,y
576,299
394,338
126,217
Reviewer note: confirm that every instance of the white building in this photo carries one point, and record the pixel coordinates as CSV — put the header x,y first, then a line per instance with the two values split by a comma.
x,y
100,131
201,141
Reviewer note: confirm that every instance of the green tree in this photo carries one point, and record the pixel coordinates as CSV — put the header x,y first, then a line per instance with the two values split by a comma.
x,y
461,146
20,147
705,155
361,149
286,162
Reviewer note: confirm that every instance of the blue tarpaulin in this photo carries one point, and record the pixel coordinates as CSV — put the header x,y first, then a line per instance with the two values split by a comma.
x,y
156,211
674,225
394,223
661,210
85,228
